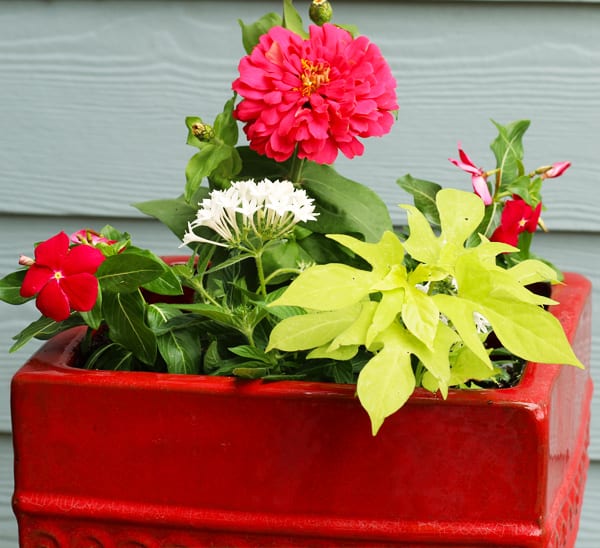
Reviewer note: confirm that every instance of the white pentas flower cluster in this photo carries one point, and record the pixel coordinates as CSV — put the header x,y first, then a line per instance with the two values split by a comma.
x,y
251,213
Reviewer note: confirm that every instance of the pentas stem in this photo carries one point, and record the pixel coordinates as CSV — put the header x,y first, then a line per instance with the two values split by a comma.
x,y
261,273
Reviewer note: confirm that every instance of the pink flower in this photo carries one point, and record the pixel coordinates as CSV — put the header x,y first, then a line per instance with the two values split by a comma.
x,y
89,237
517,217
478,175
556,170
318,94
62,277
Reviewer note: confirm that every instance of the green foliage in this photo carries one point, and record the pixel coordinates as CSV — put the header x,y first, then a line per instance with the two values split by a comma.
x,y
395,314
508,150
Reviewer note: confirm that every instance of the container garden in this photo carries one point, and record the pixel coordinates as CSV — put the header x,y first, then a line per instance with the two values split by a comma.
x,y
141,459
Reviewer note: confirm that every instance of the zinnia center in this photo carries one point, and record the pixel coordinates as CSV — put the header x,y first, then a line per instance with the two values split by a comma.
x,y
313,76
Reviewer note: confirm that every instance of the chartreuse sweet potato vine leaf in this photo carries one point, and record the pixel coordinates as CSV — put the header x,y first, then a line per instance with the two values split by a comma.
x,y
428,313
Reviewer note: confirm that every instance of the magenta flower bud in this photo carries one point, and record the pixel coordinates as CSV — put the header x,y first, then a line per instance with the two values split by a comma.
x,y
556,170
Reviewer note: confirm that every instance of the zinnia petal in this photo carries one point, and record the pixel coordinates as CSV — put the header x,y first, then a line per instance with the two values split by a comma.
x,y
52,302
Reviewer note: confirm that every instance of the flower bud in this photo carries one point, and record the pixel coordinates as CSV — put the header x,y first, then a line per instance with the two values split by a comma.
x,y
203,132
25,261
555,170
320,12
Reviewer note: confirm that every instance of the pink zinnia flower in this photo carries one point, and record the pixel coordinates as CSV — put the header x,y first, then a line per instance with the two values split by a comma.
x,y
62,277
318,94
556,170
517,217
478,175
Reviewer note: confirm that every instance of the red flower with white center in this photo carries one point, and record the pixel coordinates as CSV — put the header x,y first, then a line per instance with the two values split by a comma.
x,y
517,217
314,96
62,277
478,175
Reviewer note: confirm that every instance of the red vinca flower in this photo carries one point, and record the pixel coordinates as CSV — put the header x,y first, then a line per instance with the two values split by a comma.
x,y
63,277
318,94
517,217
478,175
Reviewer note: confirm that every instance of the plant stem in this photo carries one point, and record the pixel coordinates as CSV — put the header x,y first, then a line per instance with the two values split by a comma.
x,y
261,273
296,168
280,271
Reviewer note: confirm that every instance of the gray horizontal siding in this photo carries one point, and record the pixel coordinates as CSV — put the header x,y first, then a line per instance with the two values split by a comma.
x,y
93,97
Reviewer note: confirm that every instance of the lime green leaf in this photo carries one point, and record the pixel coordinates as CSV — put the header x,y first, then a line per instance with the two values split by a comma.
x,y
460,313
422,244
385,314
423,193
388,251
341,353
356,334
532,271
460,214
420,315
531,333
124,313
327,287
467,366
311,330
385,384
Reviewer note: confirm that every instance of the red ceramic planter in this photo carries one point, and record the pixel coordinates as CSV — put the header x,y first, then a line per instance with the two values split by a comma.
x,y
148,460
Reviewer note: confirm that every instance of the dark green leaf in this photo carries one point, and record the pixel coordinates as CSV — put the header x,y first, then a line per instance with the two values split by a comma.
x,y
10,286
174,213
292,19
251,33
124,313
226,128
423,193
127,272
344,206
111,357
94,317
508,150
42,328
250,372
253,353
204,164
167,284
180,348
